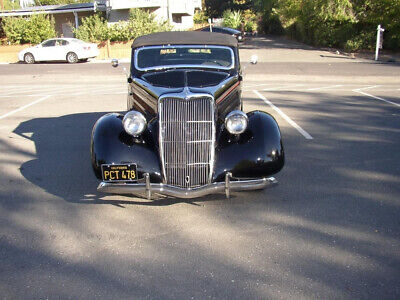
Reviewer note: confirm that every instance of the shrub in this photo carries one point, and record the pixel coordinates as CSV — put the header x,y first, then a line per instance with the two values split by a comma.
x,y
93,29
271,24
200,17
14,29
250,21
119,32
233,19
56,2
142,22
34,29
11,4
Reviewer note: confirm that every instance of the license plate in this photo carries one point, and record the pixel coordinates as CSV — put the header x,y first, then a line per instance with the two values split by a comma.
x,y
119,172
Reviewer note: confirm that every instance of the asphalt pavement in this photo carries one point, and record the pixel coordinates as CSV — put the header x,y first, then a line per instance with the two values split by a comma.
x,y
329,230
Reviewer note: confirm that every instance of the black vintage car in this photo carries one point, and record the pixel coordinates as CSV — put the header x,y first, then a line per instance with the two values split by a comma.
x,y
185,134
225,30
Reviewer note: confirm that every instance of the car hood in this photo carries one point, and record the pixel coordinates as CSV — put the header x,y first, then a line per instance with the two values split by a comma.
x,y
188,77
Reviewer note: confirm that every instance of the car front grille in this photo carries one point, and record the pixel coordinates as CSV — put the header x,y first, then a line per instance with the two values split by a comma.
x,y
187,134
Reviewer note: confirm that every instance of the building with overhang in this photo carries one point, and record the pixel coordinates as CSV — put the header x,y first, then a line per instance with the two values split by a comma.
x,y
178,12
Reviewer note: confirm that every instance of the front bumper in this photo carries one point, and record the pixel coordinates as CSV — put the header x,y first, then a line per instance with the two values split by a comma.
x,y
148,188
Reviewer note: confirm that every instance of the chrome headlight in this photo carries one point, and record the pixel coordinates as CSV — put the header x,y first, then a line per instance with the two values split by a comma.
x,y
236,122
134,123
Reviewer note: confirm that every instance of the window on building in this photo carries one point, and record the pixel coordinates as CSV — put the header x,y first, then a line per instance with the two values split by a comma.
x,y
176,18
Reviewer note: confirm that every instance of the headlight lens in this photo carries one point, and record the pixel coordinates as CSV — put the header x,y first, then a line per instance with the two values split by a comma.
x,y
134,123
236,122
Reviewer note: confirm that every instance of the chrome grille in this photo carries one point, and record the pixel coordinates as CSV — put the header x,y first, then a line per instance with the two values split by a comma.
x,y
187,140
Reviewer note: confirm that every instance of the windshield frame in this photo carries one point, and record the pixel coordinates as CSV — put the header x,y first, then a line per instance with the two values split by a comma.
x,y
137,50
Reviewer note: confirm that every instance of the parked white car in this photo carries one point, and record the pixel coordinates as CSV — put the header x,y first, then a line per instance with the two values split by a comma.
x,y
59,49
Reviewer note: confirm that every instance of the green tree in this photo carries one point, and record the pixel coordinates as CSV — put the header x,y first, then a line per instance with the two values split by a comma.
x,y
339,23
216,8
370,13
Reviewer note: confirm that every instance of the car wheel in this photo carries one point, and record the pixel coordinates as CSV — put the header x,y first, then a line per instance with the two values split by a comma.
x,y
28,58
72,57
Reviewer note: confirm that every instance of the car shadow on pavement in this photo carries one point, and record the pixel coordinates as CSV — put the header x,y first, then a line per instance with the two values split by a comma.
x,y
62,163
62,166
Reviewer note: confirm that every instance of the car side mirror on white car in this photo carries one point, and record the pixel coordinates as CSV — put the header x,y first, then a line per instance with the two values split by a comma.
x,y
114,62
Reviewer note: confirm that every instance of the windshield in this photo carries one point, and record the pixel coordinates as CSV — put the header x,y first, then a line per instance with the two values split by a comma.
x,y
159,57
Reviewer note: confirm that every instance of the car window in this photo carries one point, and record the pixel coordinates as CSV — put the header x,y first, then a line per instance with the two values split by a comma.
x,y
156,57
63,42
49,43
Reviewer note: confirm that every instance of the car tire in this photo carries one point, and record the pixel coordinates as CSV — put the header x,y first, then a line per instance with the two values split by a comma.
x,y
72,57
28,58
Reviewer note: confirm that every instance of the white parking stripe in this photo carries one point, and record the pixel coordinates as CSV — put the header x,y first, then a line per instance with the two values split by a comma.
x,y
23,107
283,115
282,87
325,87
368,87
67,91
376,97
24,90
254,85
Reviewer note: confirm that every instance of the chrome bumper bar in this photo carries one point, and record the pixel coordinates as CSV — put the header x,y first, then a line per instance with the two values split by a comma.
x,y
148,188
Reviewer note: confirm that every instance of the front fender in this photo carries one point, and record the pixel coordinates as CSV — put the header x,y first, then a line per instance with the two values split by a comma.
x,y
110,144
257,152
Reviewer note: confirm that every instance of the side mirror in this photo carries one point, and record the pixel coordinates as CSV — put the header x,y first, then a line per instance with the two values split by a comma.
x,y
114,62
254,59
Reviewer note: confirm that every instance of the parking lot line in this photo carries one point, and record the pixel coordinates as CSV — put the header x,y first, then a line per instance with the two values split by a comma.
x,y
376,97
282,87
254,85
23,107
283,115
24,90
361,91
325,87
